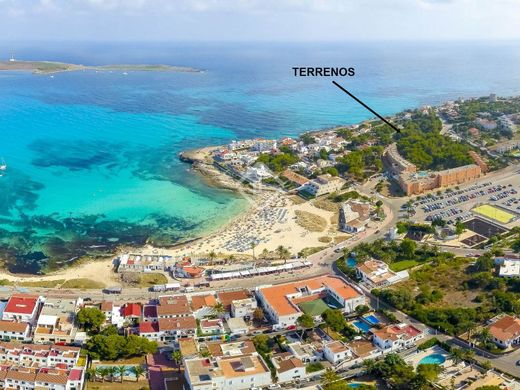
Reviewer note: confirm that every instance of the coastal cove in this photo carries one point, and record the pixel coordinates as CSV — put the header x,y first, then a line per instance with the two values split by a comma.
x,y
93,157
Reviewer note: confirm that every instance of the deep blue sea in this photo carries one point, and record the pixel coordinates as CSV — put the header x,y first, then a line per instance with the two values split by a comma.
x,y
92,156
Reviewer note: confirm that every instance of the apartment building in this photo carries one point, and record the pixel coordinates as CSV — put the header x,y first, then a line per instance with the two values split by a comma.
x,y
57,321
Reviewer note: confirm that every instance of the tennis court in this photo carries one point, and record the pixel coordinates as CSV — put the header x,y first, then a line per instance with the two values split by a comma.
x,y
494,213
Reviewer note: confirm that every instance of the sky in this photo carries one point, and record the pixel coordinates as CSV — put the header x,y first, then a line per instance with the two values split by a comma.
x,y
258,20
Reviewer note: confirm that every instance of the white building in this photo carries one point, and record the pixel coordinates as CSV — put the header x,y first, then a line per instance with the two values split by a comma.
x,y
376,273
237,326
57,321
288,367
396,337
336,352
505,331
509,268
354,216
19,331
323,184
264,145
280,302
243,307
22,308
227,372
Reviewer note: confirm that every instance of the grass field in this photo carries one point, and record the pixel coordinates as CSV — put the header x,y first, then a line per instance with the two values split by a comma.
x,y
494,213
402,265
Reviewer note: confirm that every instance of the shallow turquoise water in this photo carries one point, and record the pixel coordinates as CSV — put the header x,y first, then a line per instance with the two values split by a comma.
x,y
92,157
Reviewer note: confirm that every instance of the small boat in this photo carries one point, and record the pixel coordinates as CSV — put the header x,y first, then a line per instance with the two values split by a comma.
x,y
3,165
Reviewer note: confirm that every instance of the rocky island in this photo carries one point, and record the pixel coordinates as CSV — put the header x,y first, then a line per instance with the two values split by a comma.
x,y
46,67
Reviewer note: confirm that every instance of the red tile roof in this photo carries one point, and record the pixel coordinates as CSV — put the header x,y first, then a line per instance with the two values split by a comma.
x,y
75,374
148,327
131,310
21,304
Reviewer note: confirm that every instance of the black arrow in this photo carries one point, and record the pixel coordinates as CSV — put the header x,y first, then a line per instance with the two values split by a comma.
x,y
364,105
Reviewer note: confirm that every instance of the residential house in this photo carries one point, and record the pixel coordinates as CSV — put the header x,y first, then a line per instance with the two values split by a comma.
x,y
376,273
167,330
336,352
505,331
396,337
237,326
212,326
243,308
203,305
288,367
227,373
354,216
19,331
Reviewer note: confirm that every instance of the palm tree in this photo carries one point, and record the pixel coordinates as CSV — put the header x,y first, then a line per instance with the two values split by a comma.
x,y
212,256
219,308
91,374
177,358
265,253
121,370
137,371
102,372
231,258
283,253
111,371
253,245
330,376
457,355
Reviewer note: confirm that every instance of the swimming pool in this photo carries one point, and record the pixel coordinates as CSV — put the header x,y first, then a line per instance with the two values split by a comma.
x,y
354,385
128,372
434,358
362,326
372,319
351,262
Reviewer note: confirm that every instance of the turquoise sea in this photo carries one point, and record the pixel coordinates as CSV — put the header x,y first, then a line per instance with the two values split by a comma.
x,y
92,156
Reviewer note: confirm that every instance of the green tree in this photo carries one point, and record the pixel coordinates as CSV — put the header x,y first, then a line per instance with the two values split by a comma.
x,y
460,227
91,374
91,319
429,372
408,248
329,376
121,371
177,358
219,309
362,309
112,371
212,256
334,319
305,321
262,343
283,253
138,371
258,314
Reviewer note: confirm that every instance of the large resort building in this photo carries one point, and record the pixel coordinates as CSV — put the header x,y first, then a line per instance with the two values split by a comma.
x,y
284,303
415,183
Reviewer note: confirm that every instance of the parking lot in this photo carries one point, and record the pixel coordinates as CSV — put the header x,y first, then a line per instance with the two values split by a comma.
x,y
456,203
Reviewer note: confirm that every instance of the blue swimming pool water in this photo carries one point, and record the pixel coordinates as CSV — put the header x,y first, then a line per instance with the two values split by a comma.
x,y
363,326
351,262
435,358
372,319
354,385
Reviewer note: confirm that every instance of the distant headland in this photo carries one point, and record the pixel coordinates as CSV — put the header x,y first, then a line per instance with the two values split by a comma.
x,y
46,67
